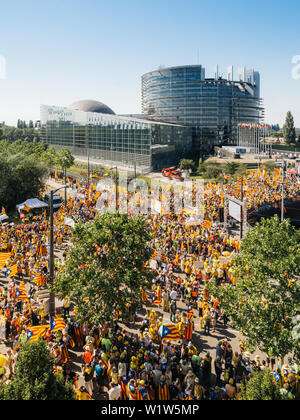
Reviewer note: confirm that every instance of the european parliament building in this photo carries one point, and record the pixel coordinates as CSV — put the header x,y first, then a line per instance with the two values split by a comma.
x,y
213,107
92,130
184,114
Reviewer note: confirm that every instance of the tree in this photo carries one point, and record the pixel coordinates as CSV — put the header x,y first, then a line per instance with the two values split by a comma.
x,y
22,176
265,299
260,387
49,156
186,164
232,167
34,378
289,131
106,266
65,159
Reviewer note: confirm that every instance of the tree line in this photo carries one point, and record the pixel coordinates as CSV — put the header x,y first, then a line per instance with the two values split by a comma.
x,y
24,167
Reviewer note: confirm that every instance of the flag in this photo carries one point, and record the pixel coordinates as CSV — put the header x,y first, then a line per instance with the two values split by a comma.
x,y
21,293
34,333
144,295
71,342
156,300
56,175
207,224
169,332
27,208
190,315
38,278
57,324
4,256
3,211
12,271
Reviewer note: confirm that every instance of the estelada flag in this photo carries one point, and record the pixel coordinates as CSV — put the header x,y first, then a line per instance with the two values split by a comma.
x,y
21,294
27,208
4,256
12,271
57,324
156,300
3,211
34,333
190,315
71,342
169,332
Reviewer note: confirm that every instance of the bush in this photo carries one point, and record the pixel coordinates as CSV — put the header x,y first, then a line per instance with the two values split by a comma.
x,y
261,387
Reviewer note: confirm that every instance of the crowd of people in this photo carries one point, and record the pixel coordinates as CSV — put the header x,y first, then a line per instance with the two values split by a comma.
x,y
118,363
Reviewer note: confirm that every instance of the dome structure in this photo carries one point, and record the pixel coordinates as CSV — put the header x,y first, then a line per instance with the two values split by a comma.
x,y
91,106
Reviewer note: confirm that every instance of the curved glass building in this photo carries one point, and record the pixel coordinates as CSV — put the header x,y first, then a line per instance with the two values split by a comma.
x,y
213,107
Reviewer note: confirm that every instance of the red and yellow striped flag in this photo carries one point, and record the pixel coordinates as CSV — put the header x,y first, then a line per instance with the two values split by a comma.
x,y
4,256
57,324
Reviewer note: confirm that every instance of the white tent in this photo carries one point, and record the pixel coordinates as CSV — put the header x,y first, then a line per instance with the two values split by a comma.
x,y
3,218
33,203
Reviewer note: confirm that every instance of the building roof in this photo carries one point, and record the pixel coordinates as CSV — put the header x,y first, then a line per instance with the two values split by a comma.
x,y
89,105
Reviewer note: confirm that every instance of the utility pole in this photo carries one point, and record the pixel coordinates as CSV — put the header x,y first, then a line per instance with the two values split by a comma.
x,y
242,200
117,187
66,188
284,168
51,254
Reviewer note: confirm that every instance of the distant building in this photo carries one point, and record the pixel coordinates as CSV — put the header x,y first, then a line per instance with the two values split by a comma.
x,y
90,129
184,115
212,107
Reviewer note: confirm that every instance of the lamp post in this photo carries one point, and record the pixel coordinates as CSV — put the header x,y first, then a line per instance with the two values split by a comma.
x,y
117,192
51,255
284,168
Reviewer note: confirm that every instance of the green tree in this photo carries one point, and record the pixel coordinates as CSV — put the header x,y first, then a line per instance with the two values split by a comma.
x,y
65,159
231,167
22,177
266,296
34,378
260,387
106,266
289,131
187,164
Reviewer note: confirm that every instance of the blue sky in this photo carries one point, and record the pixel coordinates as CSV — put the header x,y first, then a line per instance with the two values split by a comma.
x,y
65,50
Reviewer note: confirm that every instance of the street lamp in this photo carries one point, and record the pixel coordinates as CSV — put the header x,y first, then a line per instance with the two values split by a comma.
x,y
51,255
117,192
284,169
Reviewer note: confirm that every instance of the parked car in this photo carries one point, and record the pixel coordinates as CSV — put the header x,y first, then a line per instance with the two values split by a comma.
x,y
57,202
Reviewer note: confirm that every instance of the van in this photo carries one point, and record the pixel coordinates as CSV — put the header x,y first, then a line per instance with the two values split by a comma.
x,y
57,202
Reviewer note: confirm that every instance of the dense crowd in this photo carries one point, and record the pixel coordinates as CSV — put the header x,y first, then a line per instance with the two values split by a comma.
x,y
145,365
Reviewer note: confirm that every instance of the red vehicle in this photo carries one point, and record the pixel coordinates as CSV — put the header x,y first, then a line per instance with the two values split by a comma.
x,y
173,173
166,172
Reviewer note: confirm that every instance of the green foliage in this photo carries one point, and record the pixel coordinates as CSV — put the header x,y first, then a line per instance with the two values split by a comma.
x,y
260,387
232,167
34,378
21,133
187,164
289,131
65,159
107,265
22,177
266,296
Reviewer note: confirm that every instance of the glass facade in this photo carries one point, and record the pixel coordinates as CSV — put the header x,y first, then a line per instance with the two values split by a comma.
x,y
115,140
212,107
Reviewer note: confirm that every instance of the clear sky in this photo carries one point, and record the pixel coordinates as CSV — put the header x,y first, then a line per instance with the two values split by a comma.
x,y
60,51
